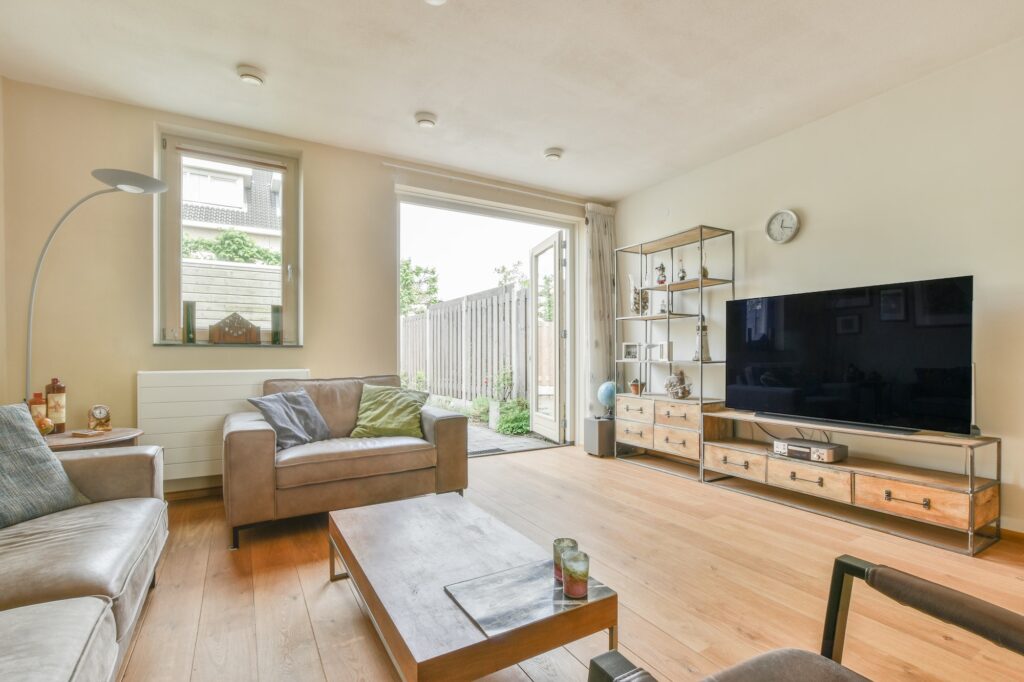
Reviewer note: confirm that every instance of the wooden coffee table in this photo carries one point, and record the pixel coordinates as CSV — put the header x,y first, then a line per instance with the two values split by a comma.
x,y
401,555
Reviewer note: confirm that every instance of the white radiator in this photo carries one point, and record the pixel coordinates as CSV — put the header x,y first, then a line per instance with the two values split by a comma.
x,y
184,413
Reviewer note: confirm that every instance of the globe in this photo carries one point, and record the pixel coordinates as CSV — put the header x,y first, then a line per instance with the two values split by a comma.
x,y
606,395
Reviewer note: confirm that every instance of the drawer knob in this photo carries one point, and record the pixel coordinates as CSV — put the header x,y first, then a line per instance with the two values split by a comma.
x,y
820,482
745,464
926,503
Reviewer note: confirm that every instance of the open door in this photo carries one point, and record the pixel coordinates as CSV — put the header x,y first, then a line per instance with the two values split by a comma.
x,y
546,326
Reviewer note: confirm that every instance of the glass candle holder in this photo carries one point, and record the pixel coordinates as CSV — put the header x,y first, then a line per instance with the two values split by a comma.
x,y
558,546
575,572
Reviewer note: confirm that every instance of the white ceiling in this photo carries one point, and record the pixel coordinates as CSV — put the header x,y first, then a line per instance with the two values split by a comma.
x,y
634,90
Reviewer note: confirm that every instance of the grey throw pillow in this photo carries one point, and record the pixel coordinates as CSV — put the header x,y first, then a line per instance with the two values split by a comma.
x,y
32,481
294,418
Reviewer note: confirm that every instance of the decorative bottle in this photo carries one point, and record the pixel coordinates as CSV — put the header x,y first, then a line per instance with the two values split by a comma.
x,y
37,406
57,404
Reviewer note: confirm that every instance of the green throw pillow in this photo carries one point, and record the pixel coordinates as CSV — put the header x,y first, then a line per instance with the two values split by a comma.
x,y
389,411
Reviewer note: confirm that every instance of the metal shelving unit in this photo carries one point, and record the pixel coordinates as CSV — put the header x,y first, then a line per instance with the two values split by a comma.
x,y
677,307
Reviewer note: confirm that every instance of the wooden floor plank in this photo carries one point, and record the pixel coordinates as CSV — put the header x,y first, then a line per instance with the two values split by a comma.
x,y
166,639
706,578
286,647
226,642
348,645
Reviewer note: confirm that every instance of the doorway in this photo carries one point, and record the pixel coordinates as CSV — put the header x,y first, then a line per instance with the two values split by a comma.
x,y
483,311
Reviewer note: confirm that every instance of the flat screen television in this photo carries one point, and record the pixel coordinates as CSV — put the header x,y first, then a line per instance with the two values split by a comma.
x,y
891,355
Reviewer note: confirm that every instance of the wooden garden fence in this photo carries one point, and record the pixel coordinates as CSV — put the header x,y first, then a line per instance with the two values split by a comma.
x,y
460,348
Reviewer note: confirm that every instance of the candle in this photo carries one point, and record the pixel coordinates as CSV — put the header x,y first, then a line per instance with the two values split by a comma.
x,y
561,545
575,572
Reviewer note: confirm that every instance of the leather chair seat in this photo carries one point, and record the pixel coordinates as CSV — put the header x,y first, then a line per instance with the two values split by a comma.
x,y
70,639
107,549
340,459
788,665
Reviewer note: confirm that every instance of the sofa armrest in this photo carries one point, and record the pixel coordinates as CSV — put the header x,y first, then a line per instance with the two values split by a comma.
x,y
250,449
116,473
447,431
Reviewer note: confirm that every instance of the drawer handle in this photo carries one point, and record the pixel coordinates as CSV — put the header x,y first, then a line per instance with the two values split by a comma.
x,y
675,442
634,409
820,482
926,502
745,464
639,433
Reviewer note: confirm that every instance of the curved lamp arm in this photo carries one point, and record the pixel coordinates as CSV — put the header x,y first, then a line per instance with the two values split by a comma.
x,y
35,283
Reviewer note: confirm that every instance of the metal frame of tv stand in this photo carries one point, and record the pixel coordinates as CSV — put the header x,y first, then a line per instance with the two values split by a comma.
x,y
976,540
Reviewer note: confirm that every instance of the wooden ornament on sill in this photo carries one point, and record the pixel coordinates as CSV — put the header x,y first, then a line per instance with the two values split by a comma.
x,y
235,329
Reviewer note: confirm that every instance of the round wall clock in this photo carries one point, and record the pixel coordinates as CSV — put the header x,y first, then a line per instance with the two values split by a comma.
x,y
782,226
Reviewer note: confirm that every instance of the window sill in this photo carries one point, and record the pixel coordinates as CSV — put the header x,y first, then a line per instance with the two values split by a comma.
x,y
207,344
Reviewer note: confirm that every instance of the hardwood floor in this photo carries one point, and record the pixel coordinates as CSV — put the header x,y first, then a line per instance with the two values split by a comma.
x,y
705,577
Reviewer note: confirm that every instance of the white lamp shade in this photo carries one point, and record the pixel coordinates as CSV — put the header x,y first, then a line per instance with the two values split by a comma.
x,y
129,181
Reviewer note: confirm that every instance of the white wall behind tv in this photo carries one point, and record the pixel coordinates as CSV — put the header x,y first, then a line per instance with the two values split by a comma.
x,y
923,181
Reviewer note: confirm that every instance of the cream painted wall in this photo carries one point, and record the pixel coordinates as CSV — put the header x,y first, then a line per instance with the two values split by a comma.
x,y
94,311
3,277
923,181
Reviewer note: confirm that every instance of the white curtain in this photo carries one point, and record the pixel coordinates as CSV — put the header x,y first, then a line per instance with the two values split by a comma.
x,y
600,242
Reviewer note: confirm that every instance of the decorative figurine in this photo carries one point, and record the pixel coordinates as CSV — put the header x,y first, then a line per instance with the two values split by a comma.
x,y
661,273
641,301
676,386
681,275
702,353
664,308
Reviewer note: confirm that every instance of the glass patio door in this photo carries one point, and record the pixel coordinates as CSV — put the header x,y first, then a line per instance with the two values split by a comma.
x,y
546,325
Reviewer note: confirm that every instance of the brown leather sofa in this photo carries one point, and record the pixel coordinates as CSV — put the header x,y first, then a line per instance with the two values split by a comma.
x,y
72,583
261,484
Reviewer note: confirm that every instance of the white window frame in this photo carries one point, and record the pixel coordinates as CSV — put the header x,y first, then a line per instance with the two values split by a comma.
x,y
168,324
210,175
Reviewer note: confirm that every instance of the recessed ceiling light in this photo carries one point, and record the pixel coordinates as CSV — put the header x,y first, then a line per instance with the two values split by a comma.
x,y
553,153
435,3
250,75
425,119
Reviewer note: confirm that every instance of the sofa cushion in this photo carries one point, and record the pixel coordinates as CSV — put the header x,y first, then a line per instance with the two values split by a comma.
x,y
32,481
293,416
389,411
337,399
70,639
106,549
787,665
339,459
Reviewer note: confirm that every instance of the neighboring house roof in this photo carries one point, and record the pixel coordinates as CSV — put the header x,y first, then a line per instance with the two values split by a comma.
x,y
260,207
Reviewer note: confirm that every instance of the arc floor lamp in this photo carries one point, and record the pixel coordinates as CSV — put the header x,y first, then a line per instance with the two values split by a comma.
x,y
116,181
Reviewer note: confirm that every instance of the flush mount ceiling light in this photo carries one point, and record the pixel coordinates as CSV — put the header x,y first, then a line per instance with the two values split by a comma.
x,y
250,75
435,3
425,119
553,153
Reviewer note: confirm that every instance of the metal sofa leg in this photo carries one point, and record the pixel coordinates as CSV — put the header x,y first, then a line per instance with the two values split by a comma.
x,y
234,537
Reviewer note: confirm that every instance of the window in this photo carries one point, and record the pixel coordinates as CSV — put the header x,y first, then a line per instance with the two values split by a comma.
x,y
214,183
229,248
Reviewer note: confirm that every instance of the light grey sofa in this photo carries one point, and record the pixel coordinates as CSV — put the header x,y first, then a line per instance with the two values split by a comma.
x,y
263,484
72,583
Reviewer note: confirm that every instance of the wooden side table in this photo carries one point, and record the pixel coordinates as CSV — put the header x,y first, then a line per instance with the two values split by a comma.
x,y
115,438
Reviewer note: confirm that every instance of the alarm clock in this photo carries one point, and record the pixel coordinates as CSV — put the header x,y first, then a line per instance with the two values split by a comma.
x,y
99,418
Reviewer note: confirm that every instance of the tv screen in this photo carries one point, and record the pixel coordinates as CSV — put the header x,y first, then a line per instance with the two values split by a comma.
x,y
893,355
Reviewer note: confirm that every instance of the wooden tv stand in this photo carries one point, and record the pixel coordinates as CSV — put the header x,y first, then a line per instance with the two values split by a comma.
x,y
959,512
